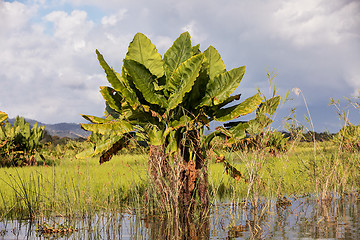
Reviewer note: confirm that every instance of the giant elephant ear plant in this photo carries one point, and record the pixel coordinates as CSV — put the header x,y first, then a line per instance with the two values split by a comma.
x,y
169,101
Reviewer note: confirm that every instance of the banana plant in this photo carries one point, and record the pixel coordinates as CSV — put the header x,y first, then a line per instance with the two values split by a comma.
x,y
169,101
19,143
348,138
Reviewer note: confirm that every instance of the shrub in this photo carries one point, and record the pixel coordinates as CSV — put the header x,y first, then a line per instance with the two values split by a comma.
x,y
19,144
349,138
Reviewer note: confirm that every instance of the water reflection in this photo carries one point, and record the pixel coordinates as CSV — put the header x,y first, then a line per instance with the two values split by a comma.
x,y
296,218
195,226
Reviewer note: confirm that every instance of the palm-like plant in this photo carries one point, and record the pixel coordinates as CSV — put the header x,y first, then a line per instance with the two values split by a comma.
x,y
169,101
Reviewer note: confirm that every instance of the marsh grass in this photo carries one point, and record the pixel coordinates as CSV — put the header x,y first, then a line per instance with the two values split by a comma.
x,y
74,187
84,190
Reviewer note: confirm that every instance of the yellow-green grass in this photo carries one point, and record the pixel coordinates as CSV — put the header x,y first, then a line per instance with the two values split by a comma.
x,y
79,187
306,168
73,186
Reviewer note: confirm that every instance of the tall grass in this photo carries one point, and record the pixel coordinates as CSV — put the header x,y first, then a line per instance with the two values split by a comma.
x,y
74,187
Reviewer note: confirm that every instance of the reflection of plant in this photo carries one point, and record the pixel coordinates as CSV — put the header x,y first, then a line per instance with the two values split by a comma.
x,y
20,143
46,229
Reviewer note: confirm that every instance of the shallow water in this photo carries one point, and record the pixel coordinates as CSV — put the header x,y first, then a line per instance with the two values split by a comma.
x,y
292,218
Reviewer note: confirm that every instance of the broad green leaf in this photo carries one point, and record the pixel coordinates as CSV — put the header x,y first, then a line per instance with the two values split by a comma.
x,y
143,81
193,98
269,106
140,115
257,125
158,87
3,116
123,78
238,131
196,49
210,137
229,100
89,152
223,131
110,114
143,51
220,88
112,98
112,150
183,80
119,127
203,118
155,134
106,145
184,121
245,107
173,144
118,85
216,64
2,134
35,126
94,119
178,53
26,130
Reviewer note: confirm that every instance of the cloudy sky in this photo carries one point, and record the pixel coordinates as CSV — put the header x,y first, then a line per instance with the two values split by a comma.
x,y
49,71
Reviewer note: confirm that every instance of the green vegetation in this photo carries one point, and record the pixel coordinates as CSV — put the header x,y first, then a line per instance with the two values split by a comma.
x,y
19,143
168,102
73,187
78,187
349,138
3,117
153,130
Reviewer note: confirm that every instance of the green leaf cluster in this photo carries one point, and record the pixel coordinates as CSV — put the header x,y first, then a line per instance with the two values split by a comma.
x,y
19,143
348,138
164,99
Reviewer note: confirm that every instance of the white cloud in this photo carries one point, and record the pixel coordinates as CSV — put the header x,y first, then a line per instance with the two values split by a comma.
x,y
352,77
163,43
309,22
43,76
113,19
48,61
109,20
192,28
14,15
73,27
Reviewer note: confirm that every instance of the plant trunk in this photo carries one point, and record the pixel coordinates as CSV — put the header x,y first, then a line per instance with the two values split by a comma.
x,y
179,178
195,176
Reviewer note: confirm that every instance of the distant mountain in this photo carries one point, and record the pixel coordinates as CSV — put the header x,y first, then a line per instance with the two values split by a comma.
x,y
70,130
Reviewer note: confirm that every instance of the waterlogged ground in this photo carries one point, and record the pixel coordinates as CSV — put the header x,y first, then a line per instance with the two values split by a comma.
x,y
292,218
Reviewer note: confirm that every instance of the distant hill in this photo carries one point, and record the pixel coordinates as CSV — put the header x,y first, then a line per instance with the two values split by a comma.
x,y
70,130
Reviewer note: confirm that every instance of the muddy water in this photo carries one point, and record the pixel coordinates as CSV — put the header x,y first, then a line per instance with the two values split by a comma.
x,y
288,218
